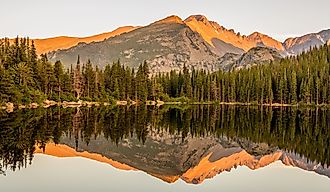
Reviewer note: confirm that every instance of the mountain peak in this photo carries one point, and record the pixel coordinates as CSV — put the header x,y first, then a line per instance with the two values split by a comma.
x,y
201,18
170,19
198,18
265,40
257,34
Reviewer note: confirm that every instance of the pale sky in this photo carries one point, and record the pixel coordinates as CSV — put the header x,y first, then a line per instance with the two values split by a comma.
x,y
48,18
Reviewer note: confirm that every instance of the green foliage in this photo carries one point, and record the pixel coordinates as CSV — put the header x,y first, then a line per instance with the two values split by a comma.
x,y
300,79
26,78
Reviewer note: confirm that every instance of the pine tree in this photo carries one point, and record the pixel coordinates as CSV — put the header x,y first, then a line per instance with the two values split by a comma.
x,y
89,80
59,76
77,80
293,90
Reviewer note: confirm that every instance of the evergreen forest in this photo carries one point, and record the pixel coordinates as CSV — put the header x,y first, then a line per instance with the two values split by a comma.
x,y
26,77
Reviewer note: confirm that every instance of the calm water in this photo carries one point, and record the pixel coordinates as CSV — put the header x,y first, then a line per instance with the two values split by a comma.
x,y
190,148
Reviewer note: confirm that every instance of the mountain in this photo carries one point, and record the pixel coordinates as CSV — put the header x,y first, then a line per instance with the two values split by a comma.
x,y
208,167
215,35
211,31
166,44
64,42
265,41
171,43
170,157
298,45
227,62
255,56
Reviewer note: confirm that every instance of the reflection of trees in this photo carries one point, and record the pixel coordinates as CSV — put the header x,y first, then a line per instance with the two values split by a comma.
x,y
304,131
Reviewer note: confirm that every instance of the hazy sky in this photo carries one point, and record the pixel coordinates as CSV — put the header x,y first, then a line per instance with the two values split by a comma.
x,y
47,18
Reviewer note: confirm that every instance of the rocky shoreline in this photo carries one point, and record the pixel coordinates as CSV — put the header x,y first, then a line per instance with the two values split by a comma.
x,y
10,107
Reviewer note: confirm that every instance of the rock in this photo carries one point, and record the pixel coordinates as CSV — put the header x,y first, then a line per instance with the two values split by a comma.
x,y
166,46
121,102
50,102
298,45
21,107
34,105
9,107
66,104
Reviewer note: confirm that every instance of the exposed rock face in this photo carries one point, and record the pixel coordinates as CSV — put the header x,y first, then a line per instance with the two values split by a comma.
x,y
304,43
227,62
165,45
255,56
221,40
170,43
212,31
265,41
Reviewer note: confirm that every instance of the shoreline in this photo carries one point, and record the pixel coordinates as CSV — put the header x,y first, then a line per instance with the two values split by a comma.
x,y
10,107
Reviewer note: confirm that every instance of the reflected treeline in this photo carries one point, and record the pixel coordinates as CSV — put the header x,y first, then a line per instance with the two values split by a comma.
x,y
303,131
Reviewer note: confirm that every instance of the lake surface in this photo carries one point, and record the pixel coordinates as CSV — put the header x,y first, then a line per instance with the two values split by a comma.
x,y
167,148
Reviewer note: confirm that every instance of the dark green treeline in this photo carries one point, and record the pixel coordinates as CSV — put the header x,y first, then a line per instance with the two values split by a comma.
x,y
26,78
304,131
301,79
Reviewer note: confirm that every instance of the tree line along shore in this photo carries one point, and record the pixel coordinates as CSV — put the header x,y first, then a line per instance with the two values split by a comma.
x,y
28,80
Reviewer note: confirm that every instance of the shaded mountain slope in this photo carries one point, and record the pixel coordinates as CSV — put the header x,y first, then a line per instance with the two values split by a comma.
x,y
255,56
297,45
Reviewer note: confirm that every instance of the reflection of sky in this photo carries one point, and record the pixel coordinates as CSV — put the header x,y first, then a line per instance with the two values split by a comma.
x,y
48,174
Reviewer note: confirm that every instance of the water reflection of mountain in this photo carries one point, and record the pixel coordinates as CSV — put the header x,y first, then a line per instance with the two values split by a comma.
x,y
192,159
192,143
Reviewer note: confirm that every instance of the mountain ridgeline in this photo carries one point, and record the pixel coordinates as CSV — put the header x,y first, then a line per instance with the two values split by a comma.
x,y
172,42
165,45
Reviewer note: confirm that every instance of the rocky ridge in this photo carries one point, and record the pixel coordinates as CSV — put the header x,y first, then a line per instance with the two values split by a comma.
x,y
171,43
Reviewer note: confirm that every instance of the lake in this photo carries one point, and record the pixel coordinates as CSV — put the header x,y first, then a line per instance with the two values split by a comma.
x,y
166,148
